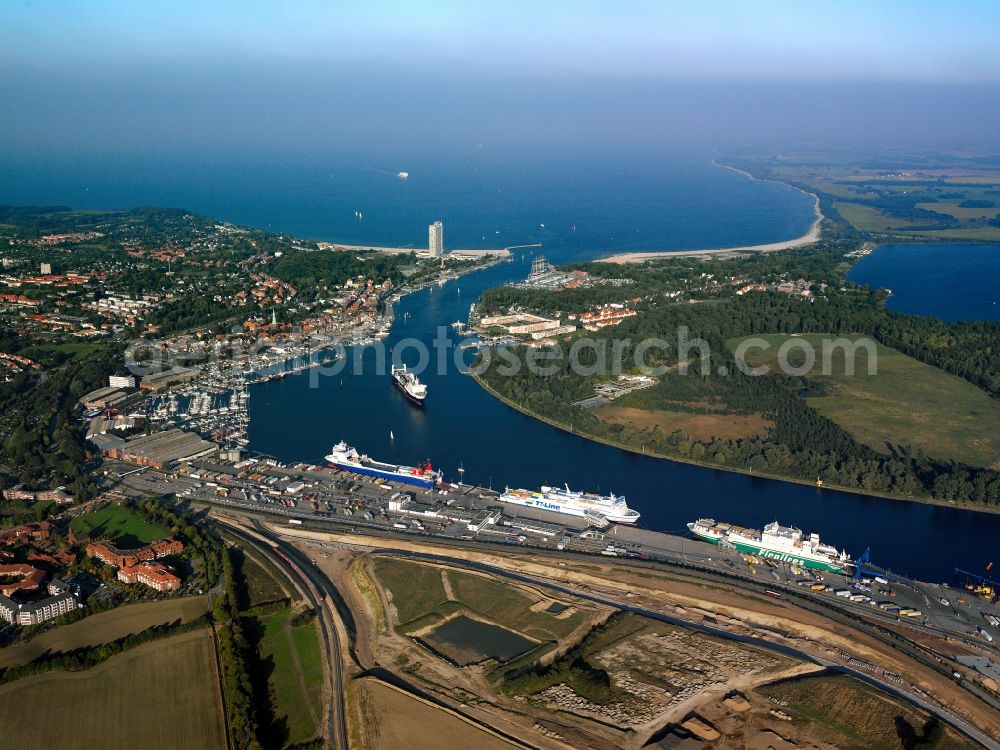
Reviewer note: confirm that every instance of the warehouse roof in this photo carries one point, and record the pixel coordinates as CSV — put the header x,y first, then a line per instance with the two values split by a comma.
x,y
166,447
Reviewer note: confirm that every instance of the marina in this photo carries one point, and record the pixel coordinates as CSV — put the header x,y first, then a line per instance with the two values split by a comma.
x,y
213,399
214,402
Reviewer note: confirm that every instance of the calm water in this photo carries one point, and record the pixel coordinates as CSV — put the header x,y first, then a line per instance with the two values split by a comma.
x,y
577,209
586,210
496,445
948,281
476,640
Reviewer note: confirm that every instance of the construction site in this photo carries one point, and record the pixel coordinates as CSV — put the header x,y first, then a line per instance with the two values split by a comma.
x,y
502,649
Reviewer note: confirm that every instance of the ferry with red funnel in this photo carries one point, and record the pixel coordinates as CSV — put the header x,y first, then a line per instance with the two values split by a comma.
x,y
343,456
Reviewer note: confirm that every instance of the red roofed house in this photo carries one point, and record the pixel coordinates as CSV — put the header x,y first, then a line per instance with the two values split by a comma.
x,y
28,578
156,576
111,555
38,532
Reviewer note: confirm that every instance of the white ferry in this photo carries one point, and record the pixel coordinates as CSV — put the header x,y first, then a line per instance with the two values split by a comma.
x,y
347,458
409,384
777,542
580,504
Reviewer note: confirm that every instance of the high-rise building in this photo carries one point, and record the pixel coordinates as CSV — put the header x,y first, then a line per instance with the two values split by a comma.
x,y
46,268
435,233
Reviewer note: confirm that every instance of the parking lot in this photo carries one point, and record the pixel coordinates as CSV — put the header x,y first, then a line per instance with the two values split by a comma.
x,y
311,494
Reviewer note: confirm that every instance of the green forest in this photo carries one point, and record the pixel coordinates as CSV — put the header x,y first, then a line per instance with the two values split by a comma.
x,y
799,443
308,271
41,441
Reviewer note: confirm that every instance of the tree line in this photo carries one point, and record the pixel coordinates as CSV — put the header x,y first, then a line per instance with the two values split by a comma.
x,y
798,441
85,658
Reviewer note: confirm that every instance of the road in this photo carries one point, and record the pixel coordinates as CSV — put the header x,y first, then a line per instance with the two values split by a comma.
x,y
312,583
688,558
698,559
306,569
934,710
332,506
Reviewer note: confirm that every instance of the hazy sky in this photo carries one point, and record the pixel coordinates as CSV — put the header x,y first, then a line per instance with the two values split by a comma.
x,y
127,75
829,40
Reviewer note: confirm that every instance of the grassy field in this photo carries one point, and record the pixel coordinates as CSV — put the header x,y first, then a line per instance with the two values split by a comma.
x,y
416,589
418,593
392,719
851,715
698,426
126,528
296,680
509,606
905,403
866,218
70,351
952,208
982,234
104,628
259,585
874,202
162,694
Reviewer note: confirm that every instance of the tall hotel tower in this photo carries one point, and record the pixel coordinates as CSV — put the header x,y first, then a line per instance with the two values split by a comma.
x,y
435,233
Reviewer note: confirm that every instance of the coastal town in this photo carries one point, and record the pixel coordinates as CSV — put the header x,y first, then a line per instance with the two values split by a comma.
x,y
189,396
504,376
164,425
198,321
159,421
80,300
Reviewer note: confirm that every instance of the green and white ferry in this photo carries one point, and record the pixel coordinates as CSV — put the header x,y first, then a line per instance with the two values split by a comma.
x,y
777,542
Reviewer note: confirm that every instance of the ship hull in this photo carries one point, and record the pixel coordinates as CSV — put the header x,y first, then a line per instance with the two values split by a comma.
x,y
368,471
566,510
409,396
772,554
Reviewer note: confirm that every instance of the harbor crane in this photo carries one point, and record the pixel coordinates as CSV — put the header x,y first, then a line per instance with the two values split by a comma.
x,y
979,584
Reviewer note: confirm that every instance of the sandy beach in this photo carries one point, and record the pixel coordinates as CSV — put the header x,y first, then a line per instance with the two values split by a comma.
x,y
806,239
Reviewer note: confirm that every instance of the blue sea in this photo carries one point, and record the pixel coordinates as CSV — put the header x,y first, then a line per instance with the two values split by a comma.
x,y
579,210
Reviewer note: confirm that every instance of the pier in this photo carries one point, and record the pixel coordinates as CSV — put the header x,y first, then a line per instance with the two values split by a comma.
x,y
458,253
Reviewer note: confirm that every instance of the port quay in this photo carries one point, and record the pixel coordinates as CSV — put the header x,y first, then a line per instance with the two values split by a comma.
x,y
213,401
322,498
